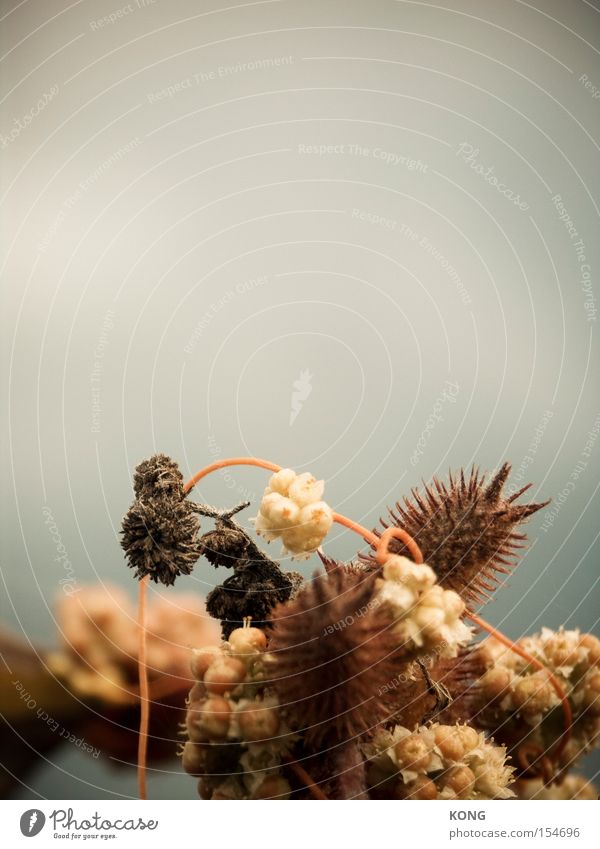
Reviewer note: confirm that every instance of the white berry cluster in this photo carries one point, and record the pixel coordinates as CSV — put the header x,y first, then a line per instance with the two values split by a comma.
x,y
512,686
428,617
292,510
233,723
437,762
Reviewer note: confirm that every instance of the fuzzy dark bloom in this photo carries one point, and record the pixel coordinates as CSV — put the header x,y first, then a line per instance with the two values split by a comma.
x,y
331,653
248,594
257,583
160,529
466,529
158,475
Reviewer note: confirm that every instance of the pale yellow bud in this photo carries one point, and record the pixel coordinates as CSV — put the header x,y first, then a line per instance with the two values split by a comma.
x,y
412,753
281,481
306,489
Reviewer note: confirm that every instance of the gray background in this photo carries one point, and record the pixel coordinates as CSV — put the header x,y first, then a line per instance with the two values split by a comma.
x,y
174,260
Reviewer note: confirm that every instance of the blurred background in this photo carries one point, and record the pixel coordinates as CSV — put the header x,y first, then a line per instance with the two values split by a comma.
x,y
355,238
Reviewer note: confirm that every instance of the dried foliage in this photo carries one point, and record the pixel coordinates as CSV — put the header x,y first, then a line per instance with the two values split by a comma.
x,y
331,653
364,682
257,583
160,529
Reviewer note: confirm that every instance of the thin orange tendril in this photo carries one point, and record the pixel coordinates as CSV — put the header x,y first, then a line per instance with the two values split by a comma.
x,y
382,552
144,695
381,545
230,461
533,762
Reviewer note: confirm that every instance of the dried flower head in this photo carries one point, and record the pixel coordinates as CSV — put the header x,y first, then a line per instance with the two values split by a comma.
x,y
466,530
257,583
160,529
158,475
437,762
518,703
331,653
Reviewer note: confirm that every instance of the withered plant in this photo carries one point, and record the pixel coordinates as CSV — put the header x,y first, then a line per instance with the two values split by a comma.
x,y
370,680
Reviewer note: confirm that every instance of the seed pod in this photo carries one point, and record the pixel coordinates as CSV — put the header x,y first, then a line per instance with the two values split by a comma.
x,y
468,736
532,695
591,695
224,675
420,788
495,682
412,753
160,529
247,641
257,722
460,779
592,644
209,720
194,758
449,742
201,659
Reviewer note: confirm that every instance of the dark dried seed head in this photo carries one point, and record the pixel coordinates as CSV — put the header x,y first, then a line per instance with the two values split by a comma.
x,y
160,529
158,475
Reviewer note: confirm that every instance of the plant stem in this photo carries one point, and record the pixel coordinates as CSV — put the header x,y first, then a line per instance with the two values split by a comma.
x,y
144,695
366,534
231,461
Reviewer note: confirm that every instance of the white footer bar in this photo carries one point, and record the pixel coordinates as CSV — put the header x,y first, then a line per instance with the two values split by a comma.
x,y
287,825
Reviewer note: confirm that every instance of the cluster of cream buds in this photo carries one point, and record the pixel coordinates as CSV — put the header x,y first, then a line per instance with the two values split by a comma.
x,y
233,723
513,686
428,617
572,787
99,630
292,510
437,762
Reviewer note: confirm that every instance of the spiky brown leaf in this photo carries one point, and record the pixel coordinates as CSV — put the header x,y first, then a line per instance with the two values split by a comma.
x,y
466,529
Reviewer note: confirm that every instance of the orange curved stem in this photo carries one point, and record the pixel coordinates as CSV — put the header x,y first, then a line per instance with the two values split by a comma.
x,y
382,553
367,535
566,707
533,762
144,694
230,461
